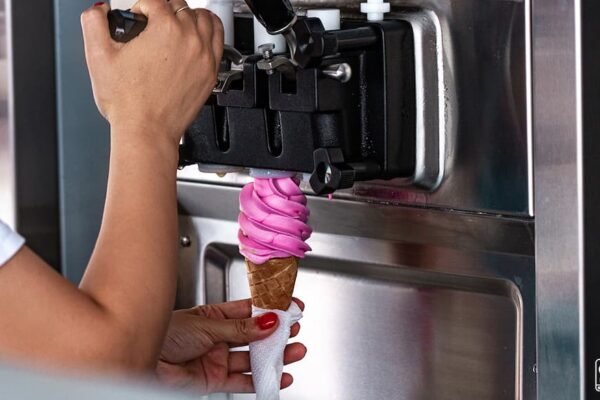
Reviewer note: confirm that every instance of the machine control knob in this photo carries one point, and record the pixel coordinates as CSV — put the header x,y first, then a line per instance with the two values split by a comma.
x,y
331,172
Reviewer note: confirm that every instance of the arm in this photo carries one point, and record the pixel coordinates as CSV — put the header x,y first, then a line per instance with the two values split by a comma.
x,y
149,90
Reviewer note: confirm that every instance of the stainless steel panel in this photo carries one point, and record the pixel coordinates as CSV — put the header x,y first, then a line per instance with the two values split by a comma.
x,y
7,139
473,107
558,200
443,303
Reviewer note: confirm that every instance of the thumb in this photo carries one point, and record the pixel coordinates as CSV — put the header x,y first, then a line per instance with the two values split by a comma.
x,y
243,331
96,35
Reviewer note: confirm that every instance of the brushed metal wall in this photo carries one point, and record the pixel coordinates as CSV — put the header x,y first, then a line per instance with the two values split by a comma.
x,y
559,199
7,140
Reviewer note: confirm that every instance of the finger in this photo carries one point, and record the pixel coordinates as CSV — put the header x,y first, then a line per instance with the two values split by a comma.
x,y
299,302
286,380
152,8
135,8
239,361
294,330
238,383
241,331
217,39
96,34
183,13
230,310
204,24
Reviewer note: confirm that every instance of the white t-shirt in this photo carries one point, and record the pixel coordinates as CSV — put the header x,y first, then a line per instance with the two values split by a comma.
x,y
10,243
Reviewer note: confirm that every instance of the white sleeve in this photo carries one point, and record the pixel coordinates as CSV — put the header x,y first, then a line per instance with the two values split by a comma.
x,y
10,243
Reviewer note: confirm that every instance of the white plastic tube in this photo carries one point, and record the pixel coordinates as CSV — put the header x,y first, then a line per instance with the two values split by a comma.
x,y
224,10
261,36
330,17
122,4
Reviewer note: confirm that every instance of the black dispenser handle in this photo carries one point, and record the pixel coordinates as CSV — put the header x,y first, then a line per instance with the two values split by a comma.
x,y
125,25
277,16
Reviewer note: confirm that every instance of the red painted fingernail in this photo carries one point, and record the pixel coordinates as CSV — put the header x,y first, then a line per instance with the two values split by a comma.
x,y
98,4
267,321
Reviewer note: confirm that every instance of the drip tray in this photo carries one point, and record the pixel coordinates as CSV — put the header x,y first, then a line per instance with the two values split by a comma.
x,y
376,332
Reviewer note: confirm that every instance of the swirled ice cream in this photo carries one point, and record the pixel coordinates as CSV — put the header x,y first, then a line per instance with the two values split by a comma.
x,y
273,220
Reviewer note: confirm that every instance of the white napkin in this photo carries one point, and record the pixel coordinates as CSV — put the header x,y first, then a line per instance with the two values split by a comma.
x,y
266,356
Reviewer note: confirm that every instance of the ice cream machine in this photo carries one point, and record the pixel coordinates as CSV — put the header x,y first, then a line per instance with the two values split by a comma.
x,y
337,103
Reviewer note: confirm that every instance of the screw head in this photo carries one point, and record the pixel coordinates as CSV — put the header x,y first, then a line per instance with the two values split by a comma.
x,y
185,241
266,50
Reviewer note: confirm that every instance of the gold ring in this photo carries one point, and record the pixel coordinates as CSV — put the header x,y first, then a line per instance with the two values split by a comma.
x,y
182,9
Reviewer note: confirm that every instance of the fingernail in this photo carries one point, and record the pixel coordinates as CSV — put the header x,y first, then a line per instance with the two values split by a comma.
x,y
98,4
267,321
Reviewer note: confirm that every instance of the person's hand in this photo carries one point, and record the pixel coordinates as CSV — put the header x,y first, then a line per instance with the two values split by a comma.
x,y
196,353
160,79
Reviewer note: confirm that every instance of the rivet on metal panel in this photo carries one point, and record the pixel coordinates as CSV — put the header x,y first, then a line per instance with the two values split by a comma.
x,y
185,241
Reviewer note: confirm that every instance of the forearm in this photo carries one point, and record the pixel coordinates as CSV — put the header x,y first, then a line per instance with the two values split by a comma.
x,y
132,273
118,319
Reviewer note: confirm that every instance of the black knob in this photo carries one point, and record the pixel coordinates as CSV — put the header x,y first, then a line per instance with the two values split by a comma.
x,y
311,44
125,25
277,16
331,172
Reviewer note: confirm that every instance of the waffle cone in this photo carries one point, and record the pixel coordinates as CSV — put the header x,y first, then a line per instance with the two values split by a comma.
x,y
272,283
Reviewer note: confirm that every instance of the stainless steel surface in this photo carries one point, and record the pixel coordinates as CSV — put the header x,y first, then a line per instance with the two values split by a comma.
x,y
7,140
442,302
473,107
558,199
225,79
232,54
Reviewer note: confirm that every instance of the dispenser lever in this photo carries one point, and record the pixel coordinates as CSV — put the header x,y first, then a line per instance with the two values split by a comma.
x,y
125,25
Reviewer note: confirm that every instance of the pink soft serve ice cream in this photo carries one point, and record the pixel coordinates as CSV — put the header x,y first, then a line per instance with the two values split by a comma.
x,y
273,220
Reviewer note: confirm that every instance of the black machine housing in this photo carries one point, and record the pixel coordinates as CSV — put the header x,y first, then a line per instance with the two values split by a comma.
x,y
308,122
